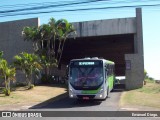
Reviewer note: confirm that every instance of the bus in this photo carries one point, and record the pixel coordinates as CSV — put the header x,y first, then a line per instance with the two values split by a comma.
x,y
90,78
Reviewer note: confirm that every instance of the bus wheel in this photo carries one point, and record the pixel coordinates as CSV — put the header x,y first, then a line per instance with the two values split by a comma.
x,y
108,92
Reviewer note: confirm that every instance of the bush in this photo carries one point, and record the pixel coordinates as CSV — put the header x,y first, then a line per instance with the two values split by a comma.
x,y
20,84
149,81
46,79
1,90
31,87
6,92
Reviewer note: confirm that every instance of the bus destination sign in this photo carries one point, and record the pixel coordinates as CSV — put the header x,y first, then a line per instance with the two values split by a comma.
x,y
86,63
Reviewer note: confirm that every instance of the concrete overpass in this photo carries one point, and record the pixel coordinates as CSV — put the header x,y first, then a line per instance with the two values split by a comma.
x,y
119,40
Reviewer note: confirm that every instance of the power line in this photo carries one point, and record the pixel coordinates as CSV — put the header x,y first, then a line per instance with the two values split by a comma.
x,y
83,9
32,4
39,6
49,6
43,3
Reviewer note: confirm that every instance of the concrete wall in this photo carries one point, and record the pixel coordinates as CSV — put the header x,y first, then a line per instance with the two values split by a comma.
x,y
11,40
105,27
134,76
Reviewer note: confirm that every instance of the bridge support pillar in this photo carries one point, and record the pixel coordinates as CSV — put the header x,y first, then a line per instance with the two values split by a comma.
x,y
134,71
135,62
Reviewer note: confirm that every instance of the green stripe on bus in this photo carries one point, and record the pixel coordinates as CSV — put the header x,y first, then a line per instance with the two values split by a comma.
x,y
111,80
90,91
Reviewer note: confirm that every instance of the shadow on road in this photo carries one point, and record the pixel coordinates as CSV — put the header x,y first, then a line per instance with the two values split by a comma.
x,y
119,88
63,101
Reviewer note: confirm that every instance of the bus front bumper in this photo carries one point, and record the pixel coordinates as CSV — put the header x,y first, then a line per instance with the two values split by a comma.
x,y
88,96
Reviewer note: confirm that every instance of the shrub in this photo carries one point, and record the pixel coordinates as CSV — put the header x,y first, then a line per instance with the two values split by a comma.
x,y
20,84
45,79
7,92
31,87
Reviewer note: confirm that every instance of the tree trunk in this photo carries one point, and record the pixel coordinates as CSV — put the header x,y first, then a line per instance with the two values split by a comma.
x,y
7,86
5,82
46,70
54,44
29,81
59,48
61,52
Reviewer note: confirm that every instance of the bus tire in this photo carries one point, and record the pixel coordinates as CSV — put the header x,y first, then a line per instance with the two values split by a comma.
x,y
108,92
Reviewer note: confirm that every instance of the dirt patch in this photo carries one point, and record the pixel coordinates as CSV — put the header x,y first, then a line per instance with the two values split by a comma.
x,y
27,98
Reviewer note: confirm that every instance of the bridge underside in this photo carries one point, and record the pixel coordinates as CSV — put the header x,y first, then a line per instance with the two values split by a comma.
x,y
112,47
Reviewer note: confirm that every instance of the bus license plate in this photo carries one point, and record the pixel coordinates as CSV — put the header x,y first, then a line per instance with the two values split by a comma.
x,y
85,98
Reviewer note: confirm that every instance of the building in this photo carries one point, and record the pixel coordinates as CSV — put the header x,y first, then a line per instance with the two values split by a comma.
x,y
119,40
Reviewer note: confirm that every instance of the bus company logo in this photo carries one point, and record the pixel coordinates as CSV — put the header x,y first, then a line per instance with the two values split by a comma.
x,y
6,114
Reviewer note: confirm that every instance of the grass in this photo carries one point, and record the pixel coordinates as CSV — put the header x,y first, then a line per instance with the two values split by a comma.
x,y
36,95
148,95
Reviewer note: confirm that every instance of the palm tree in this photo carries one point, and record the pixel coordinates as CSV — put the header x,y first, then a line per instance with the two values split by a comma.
x,y
1,54
29,64
65,29
49,39
7,73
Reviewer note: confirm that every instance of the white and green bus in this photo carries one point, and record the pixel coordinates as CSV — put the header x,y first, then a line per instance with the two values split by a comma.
x,y
90,78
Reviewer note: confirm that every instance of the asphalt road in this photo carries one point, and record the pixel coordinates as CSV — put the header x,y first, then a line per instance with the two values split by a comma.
x,y
67,104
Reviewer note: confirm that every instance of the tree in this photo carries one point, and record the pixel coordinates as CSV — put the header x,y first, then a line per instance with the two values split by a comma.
x,y
7,73
145,74
29,64
1,54
48,41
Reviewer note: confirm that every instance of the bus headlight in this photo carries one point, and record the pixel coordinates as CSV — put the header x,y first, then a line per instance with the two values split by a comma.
x,y
71,95
71,90
100,95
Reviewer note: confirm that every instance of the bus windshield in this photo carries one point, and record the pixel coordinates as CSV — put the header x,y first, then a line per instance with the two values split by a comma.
x,y
86,76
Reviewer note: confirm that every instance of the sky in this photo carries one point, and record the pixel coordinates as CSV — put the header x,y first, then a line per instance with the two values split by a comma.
x,y
150,19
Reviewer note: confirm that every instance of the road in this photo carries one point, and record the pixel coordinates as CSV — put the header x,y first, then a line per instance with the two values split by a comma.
x,y
67,104
79,107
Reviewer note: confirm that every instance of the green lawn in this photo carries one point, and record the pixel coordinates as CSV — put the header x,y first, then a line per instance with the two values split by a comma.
x,y
148,95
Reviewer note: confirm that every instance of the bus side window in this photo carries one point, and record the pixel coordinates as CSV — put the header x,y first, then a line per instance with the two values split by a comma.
x,y
70,72
111,70
108,72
